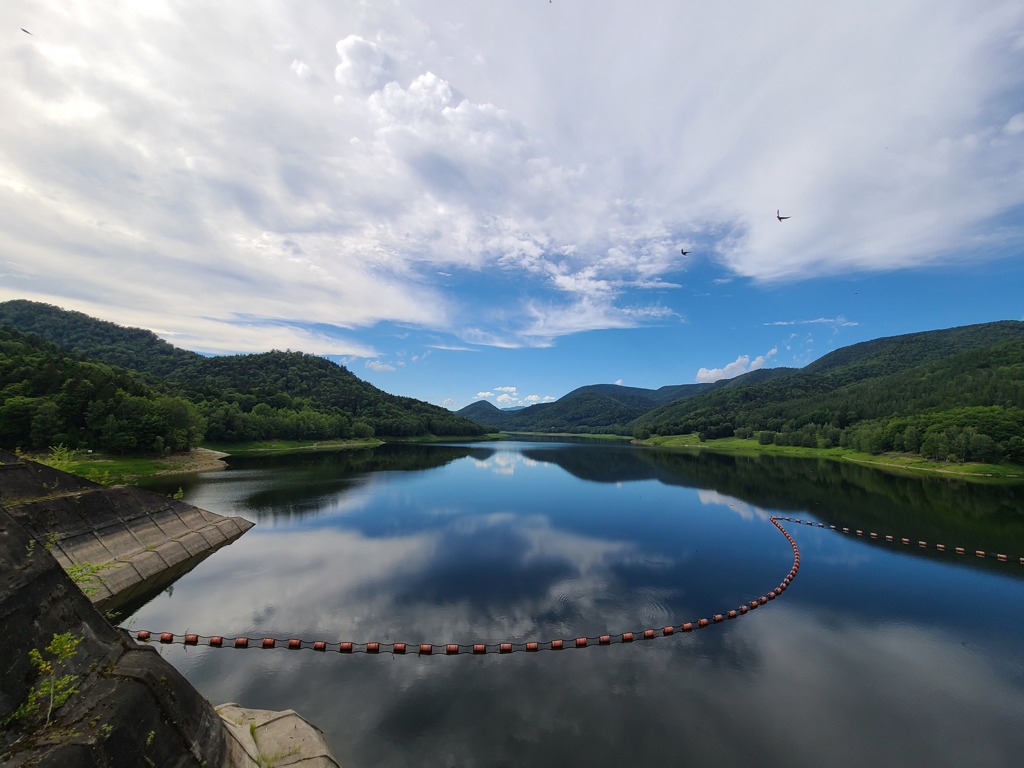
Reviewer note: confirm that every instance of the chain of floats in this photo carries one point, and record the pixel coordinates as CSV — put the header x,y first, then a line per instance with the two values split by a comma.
x,y
453,649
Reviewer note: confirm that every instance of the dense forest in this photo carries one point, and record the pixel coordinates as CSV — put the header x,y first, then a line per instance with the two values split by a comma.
x,y
67,378
955,394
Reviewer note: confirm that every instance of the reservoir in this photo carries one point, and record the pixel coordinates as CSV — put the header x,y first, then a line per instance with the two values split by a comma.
x,y
877,653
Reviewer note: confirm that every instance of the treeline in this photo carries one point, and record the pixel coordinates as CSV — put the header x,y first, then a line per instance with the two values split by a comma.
x,y
49,396
967,406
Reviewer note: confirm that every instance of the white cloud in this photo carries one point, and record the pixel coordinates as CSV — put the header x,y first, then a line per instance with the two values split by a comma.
x,y
505,389
377,365
1015,125
839,322
480,395
740,365
210,175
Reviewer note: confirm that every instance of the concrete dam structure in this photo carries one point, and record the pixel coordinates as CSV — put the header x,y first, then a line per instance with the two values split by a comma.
x,y
118,703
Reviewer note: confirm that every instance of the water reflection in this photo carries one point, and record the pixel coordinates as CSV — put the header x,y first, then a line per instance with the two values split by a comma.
x,y
876,654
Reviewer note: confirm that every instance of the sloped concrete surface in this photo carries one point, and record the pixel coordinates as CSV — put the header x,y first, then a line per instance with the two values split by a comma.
x,y
257,738
146,540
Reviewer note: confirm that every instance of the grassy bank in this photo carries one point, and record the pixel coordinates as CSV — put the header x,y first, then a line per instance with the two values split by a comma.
x,y
893,462
111,469
264,447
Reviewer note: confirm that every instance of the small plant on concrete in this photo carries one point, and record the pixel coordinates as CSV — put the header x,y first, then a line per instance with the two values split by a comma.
x,y
84,575
55,685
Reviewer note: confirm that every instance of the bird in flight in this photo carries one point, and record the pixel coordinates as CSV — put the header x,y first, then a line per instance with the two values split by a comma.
x,y
25,31
779,216
683,251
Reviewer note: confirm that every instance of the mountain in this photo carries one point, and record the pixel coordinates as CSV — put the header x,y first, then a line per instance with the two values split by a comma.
x,y
240,397
956,393
601,408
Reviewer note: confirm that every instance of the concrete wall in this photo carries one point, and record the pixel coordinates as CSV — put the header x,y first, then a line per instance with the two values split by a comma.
x,y
147,540
131,707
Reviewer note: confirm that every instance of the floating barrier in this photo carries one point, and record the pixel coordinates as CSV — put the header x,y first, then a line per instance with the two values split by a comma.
x,y
533,646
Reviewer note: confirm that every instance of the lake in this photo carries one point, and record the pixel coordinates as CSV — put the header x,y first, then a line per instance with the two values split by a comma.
x,y
877,653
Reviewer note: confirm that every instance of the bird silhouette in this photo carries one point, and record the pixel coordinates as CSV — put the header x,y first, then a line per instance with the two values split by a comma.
x,y
779,216
683,252
26,31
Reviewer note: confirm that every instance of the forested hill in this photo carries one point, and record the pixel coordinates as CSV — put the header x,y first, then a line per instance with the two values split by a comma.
x,y
287,395
949,394
602,408
98,340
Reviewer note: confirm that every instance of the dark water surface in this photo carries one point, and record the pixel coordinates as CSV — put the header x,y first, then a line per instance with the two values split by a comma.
x,y
877,654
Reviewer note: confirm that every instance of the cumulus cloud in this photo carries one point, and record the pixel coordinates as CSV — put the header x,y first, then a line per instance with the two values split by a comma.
x,y
207,175
741,364
364,66
377,365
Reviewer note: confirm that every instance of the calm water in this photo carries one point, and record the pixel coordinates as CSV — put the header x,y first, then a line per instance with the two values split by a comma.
x,y
876,655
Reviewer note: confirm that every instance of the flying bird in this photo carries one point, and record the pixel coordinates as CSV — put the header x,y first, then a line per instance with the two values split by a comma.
x,y
684,252
26,31
779,216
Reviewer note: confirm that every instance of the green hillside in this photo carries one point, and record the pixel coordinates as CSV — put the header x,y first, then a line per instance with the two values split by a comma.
x,y
950,394
281,395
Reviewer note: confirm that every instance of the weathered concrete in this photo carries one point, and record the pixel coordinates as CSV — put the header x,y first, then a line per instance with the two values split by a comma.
x,y
131,707
146,540
259,737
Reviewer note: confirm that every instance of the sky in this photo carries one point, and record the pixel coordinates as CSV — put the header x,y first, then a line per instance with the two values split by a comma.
x,y
463,200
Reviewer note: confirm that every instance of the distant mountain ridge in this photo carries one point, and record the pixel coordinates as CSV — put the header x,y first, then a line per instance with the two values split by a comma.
x,y
953,394
956,393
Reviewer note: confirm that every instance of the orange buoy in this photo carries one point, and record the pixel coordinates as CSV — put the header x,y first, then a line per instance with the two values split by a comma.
x,y
345,647
533,646
557,645
702,623
479,648
398,648
143,635
241,642
373,647
294,645
687,627
648,634
451,649
269,642
166,637
581,642
505,648
605,639
216,641
191,639
627,637
426,649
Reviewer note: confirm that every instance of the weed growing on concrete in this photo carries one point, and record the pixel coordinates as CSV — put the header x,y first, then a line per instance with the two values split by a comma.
x,y
84,575
55,686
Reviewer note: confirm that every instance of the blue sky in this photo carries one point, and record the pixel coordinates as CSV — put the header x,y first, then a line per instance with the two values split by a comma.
x,y
463,200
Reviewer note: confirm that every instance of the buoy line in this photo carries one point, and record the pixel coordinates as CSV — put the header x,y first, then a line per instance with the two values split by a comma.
x,y
454,649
